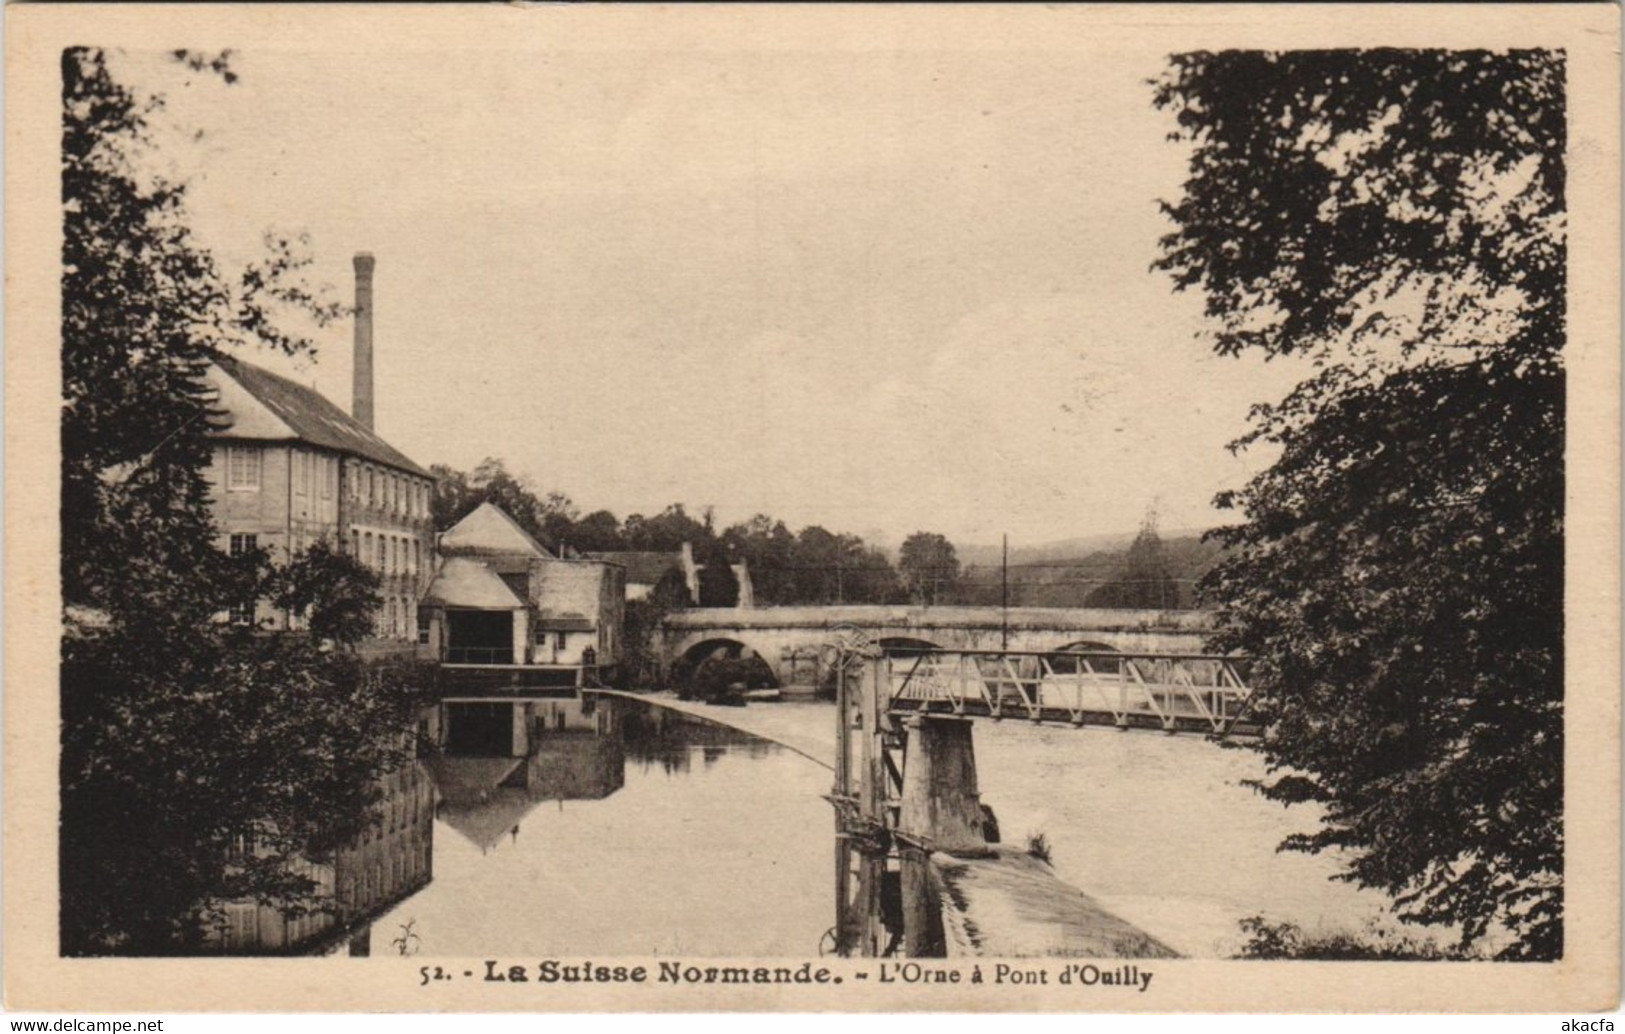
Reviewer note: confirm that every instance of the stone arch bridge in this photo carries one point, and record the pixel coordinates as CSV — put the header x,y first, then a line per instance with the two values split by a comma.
x,y
794,641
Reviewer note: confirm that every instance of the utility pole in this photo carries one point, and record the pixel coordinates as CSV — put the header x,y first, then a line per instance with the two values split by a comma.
x,y
1004,596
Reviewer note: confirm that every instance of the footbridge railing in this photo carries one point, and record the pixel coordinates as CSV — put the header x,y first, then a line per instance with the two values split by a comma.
x,y
1174,692
906,788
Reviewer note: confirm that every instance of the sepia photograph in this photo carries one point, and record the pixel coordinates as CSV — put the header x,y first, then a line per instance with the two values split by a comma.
x,y
891,508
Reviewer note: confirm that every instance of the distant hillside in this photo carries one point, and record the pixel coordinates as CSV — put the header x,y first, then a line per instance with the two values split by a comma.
x,y
1067,574
981,554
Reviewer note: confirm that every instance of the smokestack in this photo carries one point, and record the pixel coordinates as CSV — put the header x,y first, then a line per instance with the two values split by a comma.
x,y
361,408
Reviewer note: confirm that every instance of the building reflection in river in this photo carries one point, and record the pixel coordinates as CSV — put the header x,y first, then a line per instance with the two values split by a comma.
x,y
389,862
655,736
621,830
571,752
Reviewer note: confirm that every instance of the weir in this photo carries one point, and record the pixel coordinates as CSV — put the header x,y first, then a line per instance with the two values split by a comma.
x,y
919,870
919,867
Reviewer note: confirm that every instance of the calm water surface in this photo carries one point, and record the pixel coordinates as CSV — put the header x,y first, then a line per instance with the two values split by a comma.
x,y
675,838
679,837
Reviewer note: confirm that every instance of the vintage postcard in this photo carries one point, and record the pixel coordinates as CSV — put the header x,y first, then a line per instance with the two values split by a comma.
x,y
793,508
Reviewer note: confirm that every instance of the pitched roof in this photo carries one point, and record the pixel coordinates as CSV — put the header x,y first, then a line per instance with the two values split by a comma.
x,y
642,568
489,530
303,414
469,584
474,799
570,589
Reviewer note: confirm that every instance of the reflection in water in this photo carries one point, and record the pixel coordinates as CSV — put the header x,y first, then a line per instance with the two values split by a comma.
x,y
655,736
389,862
484,799
640,832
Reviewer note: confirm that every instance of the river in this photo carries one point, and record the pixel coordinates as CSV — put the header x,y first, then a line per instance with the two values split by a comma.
x,y
672,836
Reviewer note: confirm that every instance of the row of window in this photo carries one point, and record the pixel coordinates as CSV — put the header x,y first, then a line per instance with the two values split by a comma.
x,y
397,493
396,621
387,554
394,556
401,803
316,475
408,864
560,639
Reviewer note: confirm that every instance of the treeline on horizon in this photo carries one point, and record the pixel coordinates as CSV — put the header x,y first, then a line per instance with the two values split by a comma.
x,y
817,566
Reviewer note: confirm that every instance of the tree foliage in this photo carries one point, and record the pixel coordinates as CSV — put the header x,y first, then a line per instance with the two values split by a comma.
x,y
599,531
929,567
333,593
1144,582
547,518
767,548
1374,943
1397,216
198,758
718,585
666,531
813,566
138,304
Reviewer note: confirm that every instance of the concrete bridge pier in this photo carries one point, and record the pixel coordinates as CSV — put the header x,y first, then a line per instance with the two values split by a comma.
x,y
941,805
941,810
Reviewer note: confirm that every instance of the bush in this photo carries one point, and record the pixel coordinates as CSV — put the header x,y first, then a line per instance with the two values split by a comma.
x,y
1268,940
1038,847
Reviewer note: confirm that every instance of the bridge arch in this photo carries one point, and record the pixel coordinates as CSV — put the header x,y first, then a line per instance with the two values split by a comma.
x,y
906,646
1060,662
685,664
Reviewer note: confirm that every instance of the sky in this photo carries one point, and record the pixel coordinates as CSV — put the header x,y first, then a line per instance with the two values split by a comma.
x,y
883,291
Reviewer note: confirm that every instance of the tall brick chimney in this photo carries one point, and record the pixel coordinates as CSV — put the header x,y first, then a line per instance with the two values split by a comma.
x,y
361,408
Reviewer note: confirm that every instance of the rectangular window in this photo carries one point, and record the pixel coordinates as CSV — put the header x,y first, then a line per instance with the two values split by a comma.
x,y
423,630
242,468
355,544
559,642
329,474
243,613
383,554
301,464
